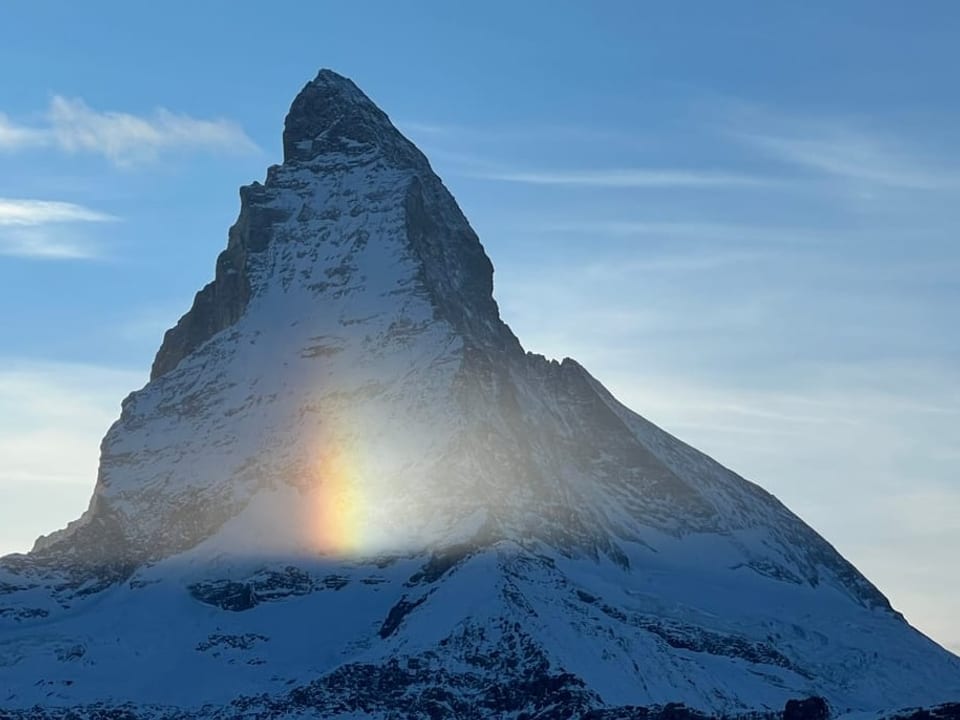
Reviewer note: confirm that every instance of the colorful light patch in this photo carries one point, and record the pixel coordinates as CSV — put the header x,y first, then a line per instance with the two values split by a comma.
x,y
338,504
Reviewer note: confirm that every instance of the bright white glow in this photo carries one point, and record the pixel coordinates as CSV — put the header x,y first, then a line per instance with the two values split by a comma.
x,y
52,418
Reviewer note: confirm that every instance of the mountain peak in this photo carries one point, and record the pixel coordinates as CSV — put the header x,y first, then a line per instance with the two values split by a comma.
x,y
331,112
336,139
447,526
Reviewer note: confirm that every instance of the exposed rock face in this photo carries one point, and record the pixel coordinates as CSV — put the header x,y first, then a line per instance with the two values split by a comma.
x,y
814,708
331,117
220,303
948,711
348,491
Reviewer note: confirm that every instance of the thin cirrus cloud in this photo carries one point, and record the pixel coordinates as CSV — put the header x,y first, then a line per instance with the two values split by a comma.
x,y
123,138
13,136
856,157
46,229
427,133
840,147
686,230
834,147
482,167
625,178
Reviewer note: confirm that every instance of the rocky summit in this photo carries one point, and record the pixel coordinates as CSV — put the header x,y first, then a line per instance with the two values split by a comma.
x,y
348,491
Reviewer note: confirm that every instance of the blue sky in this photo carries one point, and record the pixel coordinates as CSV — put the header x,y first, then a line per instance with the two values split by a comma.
x,y
742,217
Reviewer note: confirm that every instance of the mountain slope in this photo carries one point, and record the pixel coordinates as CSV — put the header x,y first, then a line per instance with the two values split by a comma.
x,y
348,488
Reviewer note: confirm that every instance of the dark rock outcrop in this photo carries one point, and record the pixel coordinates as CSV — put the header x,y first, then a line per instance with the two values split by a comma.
x,y
813,708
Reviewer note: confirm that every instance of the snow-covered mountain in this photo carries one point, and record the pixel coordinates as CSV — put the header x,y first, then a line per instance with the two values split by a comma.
x,y
347,491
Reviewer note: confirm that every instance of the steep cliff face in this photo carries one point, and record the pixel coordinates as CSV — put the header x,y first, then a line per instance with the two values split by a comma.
x,y
348,490
331,128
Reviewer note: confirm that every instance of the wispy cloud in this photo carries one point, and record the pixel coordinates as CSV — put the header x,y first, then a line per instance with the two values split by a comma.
x,y
679,262
626,178
13,136
479,164
839,147
66,406
46,229
123,138
52,417
41,212
538,133
858,157
47,244
694,230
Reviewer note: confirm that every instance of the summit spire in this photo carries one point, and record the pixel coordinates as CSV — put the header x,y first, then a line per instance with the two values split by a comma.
x,y
332,113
